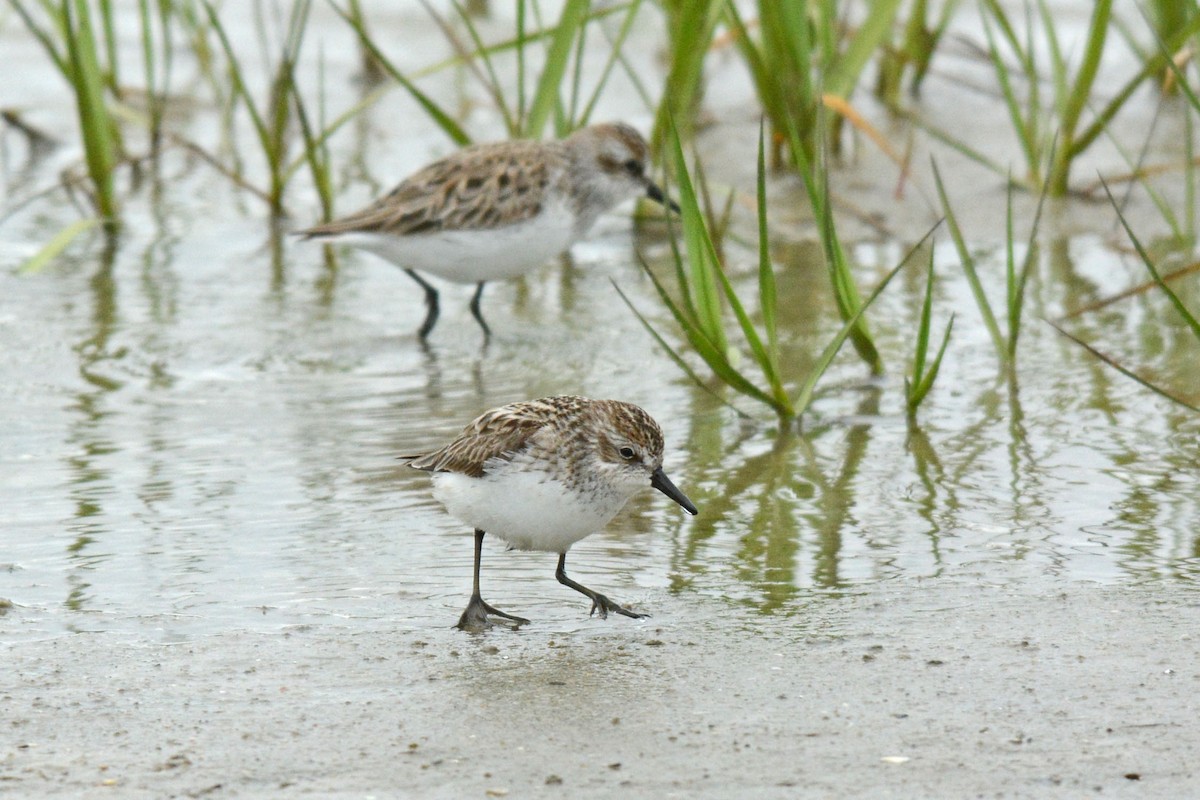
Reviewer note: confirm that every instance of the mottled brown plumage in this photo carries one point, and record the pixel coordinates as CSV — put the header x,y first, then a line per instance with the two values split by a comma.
x,y
543,474
557,429
496,211
481,187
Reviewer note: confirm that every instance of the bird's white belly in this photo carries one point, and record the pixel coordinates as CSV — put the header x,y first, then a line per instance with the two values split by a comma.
x,y
470,256
527,509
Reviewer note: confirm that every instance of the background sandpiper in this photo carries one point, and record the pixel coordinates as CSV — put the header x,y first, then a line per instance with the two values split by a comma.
x,y
496,211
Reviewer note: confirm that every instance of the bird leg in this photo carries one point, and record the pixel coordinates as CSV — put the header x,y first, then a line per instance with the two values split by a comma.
x,y
475,617
475,312
431,304
599,602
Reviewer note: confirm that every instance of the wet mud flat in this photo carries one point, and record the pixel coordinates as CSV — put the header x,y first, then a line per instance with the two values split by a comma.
x,y
914,689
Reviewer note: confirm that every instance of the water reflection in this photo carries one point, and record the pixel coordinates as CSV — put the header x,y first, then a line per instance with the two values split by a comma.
x,y
777,504
90,482
931,474
229,444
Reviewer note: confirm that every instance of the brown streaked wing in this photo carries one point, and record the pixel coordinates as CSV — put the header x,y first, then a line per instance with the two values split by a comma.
x,y
497,433
480,188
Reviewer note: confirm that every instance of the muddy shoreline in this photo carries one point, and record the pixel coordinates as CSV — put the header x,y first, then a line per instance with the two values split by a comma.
x,y
920,689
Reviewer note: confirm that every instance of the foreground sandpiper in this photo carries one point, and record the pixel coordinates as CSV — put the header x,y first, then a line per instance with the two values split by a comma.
x,y
496,211
543,474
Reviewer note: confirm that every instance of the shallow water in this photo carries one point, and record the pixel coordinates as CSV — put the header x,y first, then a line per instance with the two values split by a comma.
x,y
203,421
204,415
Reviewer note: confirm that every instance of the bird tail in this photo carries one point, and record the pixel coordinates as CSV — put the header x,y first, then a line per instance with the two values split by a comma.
x,y
417,461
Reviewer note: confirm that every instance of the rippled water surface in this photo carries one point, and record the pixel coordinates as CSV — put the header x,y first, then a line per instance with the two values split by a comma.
x,y
202,420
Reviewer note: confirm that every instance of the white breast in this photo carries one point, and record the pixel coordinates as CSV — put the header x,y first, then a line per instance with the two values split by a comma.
x,y
526,508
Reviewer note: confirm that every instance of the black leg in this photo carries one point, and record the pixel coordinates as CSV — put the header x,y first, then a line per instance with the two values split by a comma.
x,y
475,617
431,304
599,602
475,312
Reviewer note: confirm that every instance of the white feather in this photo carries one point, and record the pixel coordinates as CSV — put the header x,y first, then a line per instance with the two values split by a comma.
x,y
527,508
471,256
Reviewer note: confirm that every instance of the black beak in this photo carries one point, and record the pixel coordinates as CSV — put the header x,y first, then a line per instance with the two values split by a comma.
x,y
657,195
660,481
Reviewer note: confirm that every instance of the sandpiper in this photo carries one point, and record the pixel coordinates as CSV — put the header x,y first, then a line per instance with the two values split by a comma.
x,y
543,474
496,211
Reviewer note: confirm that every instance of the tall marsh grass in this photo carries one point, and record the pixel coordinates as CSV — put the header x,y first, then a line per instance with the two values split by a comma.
x,y
705,291
806,62
83,49
803,58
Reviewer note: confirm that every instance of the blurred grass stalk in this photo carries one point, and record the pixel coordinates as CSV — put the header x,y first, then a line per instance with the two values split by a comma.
x,y
1177,303
71,40
690,27
101,139
1180,13
704,289
272,123
1171,16
316,147
1015,279
526,116
435,112
913,53
1188,317
1037,122
803,58
157,62
924,371
546,98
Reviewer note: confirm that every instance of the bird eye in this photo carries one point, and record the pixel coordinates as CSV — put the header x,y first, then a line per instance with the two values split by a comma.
x,y
626,452
634,167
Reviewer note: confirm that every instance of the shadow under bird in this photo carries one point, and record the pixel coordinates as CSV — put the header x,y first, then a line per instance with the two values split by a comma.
x,y
543,474
496,211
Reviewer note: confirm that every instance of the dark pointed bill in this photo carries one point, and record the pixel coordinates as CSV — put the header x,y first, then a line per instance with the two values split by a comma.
x,y
660,481
655,193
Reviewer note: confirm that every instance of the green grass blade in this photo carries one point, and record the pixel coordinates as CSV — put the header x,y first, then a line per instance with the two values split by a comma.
x,y
1162,60
1026,129
844,288
700,256
44,36
1016,293
918,369
844,73
491,81
691,30
112,75
1188,317
53,248
968,265
767,296
715,357
804,397
235,73
926,383
545,98
96,124
922,377
316,155
674,355
1123,370
1076,99
614,53
757,350
435,112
